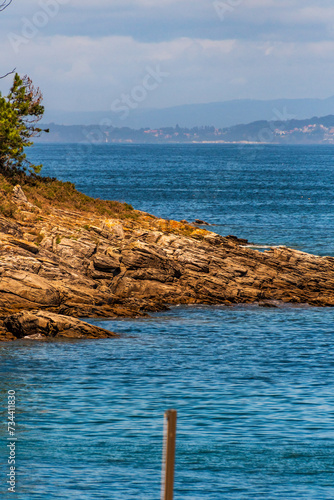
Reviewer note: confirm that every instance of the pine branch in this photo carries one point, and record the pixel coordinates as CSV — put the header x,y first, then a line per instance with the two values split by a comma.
x,y
7,74
5,4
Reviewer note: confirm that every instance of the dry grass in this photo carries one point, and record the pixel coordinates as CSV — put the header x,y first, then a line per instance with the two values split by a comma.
x,y
48,194
7,207
64,195
51,193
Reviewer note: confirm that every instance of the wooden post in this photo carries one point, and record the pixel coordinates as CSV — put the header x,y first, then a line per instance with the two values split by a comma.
x,y
168,459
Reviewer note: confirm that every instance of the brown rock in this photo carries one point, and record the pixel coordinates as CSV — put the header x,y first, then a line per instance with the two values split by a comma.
x,y
90,266
19,289
10,227
26,245
18,194
42,324
201,222
106,263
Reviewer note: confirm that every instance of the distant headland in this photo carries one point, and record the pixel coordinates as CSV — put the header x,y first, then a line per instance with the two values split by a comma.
x,y
313,130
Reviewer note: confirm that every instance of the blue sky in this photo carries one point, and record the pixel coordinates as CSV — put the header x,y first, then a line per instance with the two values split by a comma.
x,y
91,55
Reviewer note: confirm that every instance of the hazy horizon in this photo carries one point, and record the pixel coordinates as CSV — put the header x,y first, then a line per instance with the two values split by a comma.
x,y
218,114
132,55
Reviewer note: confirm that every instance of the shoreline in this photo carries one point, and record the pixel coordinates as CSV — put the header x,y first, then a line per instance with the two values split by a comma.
x,y
100,259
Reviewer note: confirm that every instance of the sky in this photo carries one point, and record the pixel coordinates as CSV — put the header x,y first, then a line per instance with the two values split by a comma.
x,y
113,54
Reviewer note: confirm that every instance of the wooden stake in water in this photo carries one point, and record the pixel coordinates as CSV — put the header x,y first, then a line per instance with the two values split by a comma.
x,y
168,459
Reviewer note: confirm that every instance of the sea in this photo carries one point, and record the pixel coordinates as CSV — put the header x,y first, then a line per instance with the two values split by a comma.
x,y
253,387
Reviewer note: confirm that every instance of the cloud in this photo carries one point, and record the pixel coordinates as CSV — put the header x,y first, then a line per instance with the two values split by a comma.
x,y
87,74
86,54
152,21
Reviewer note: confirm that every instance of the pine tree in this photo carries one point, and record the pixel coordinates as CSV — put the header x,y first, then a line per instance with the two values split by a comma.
x,y
20,111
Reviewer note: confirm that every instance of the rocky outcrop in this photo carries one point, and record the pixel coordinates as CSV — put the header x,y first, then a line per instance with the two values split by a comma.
x,y
37,325
19,195
76,264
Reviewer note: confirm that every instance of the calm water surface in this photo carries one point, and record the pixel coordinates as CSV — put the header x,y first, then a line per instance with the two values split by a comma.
x,y
254,387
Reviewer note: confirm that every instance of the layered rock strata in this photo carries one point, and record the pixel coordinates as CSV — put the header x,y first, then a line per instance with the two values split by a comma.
x,y
76,264
38,325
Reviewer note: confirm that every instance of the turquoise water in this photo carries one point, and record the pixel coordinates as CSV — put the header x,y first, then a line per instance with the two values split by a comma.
x,y
254,387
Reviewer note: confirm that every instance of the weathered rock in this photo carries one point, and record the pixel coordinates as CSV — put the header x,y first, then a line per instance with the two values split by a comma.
x,y
78,265
111,229
73,252
42,324
106,263
26,245
18,194
201,222
9,227
5,335
20,290
20,198
235,239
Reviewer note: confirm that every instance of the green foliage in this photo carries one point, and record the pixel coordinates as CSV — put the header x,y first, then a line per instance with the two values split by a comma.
x,y
128,206
20,111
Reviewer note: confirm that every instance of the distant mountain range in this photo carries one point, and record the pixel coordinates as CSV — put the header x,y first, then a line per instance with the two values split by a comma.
x,y
217,114
308,131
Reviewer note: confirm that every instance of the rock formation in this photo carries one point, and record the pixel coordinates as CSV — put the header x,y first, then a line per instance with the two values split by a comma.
x,y
43,324
74,263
